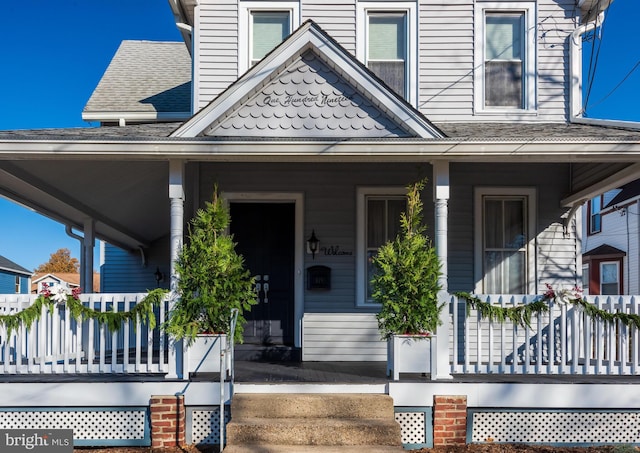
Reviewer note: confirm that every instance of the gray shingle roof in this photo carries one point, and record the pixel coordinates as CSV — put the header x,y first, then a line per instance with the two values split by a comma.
x,y
8,265
145,76
470,131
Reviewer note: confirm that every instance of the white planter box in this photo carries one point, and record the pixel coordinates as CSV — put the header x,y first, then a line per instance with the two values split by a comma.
x,y
409,354
204,353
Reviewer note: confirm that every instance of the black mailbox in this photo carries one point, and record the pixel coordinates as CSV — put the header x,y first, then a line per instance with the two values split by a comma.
x,y
318,277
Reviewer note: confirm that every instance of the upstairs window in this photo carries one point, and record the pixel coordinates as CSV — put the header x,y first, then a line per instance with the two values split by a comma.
x,y
262,27
595,214
268,29
387,44
505,57
504,64
387,48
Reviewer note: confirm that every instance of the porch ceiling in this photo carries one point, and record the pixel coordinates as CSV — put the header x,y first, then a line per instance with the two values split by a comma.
x,y
127,200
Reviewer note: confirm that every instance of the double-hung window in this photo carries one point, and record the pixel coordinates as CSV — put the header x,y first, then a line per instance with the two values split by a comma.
x,y
595,214
378,221
504,254
387,42
262,27
505,56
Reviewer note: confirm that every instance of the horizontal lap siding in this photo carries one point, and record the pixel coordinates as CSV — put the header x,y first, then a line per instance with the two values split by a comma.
x,y
342,337
446,60
216,55
338,19
555,25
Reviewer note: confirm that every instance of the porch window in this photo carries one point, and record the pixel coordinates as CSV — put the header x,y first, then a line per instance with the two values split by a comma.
x,y
503,252
378,222
387,43
609,278
262,27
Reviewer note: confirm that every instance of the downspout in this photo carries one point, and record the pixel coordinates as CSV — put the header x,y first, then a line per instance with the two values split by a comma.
x,y
86,254
575,92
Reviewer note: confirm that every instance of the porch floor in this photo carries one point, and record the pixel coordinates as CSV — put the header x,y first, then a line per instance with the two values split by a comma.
x,y
375,373
260,372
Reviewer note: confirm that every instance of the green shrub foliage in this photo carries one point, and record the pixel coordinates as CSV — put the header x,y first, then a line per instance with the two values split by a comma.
x,y
406,282
212,279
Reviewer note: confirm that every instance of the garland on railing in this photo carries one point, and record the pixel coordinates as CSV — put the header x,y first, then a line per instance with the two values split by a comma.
x,y
61,294
521,314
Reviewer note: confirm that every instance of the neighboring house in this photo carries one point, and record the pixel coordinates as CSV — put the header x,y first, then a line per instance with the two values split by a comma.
x,y
313,117
611,241
52,279
14,279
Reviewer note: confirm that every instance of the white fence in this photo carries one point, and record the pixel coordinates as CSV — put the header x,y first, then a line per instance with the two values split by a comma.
x,y
56,343
562,341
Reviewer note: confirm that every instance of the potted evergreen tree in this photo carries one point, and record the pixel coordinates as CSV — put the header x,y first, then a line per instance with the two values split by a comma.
x,y
212,281
406,284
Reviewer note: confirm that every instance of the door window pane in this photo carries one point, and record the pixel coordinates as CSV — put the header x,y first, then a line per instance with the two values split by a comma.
x,y
609,278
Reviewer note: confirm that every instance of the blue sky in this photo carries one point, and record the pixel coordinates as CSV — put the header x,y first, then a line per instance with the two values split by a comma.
x,y
54,53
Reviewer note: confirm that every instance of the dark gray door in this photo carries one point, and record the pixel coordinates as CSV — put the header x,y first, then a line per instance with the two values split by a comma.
x,y
264,233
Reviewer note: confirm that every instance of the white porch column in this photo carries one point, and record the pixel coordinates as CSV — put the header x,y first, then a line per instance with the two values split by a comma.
x,y
87,254
440,368
176,197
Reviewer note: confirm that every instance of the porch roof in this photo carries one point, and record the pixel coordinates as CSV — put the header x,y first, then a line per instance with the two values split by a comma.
x,y
467,131
108,173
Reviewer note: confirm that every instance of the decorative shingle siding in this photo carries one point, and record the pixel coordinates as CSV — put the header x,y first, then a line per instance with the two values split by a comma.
x,y
308,100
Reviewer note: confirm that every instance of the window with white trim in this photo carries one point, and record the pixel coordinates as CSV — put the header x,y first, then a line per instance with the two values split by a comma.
x,y
264,25
609,278
378,221
17,284
595,214
387,44
503,237
505,57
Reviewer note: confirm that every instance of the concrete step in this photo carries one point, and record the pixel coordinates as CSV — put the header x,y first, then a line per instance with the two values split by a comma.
x,y
267,448
313,431
284,405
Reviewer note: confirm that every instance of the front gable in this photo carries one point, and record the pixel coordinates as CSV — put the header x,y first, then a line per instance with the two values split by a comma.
x,y
309,87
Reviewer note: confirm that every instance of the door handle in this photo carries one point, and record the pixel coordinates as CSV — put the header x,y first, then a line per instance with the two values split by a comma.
x,y
258,286
265,286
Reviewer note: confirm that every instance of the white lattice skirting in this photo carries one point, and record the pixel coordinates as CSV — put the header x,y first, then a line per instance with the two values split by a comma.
x,y
91,426
566,427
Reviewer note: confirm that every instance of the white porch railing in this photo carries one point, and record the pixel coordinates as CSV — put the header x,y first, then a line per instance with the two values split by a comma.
x,y
56,343
563,341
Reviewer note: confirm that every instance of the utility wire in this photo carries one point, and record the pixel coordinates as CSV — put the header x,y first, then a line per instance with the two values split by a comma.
x,y
617,86
593,61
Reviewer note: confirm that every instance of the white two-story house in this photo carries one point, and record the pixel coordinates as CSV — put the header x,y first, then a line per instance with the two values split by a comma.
x,y
313,117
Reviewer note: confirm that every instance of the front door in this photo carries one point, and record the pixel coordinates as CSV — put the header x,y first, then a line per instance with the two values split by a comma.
x,y
264,233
